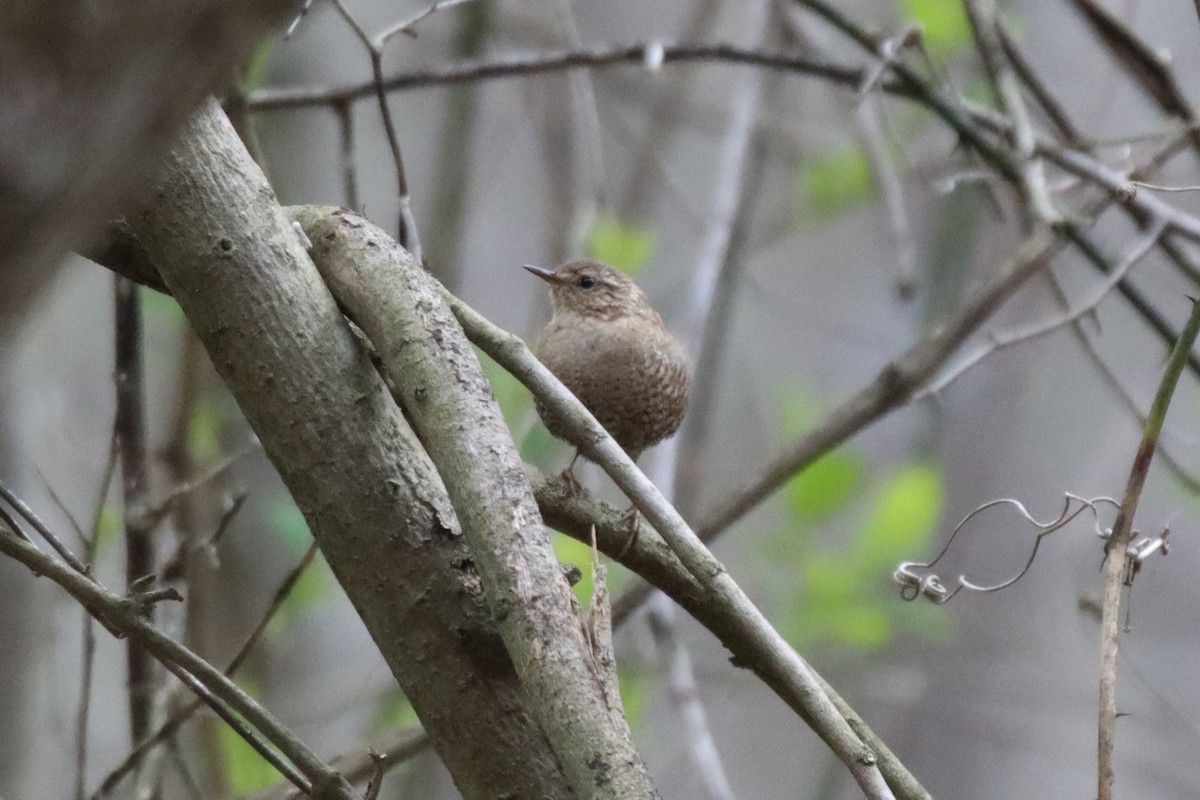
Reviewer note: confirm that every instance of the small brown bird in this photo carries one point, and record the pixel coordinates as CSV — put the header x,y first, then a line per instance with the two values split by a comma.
x,y
609,347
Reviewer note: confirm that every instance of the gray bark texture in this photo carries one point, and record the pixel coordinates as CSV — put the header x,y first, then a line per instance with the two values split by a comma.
x,y
370,493
441,384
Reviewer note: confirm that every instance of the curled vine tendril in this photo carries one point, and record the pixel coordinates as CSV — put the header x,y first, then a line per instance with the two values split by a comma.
x,y
917,579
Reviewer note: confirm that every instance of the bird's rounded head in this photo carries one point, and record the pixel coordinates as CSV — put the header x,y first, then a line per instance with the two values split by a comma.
x,y
593,289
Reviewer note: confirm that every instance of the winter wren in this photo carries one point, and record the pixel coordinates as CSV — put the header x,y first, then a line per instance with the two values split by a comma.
x,y
609,347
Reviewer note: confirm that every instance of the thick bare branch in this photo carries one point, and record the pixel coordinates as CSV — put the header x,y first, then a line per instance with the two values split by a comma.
x,y
400,308
651,558
370,494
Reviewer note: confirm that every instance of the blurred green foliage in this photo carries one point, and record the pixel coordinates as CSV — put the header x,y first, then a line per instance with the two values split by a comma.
x,y
254,73
573,551
157,304
625,244
835,180
824,488
109,526
316,583
840,593
635,686
944,22
394,711
205,426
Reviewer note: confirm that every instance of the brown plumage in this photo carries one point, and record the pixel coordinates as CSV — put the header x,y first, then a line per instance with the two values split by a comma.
x,y
609,347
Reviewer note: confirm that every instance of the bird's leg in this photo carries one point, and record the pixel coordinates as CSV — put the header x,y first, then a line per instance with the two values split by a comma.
x,y
633,521
568,475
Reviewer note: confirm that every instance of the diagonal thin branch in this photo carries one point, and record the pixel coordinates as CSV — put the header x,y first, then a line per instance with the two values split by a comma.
x,y
127,617
1067,317
176,721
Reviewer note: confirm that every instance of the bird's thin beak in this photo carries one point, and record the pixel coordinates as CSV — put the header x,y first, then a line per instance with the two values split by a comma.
x,y
543,273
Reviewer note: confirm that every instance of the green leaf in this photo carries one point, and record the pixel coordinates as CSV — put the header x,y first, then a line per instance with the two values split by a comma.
x,y
824,486
837,179
625,244
944,21
904,517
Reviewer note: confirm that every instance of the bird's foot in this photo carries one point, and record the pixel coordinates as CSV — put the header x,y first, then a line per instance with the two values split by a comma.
x,y
574,487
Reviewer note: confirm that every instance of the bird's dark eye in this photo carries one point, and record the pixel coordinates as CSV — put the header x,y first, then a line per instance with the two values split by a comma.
x,y
585,282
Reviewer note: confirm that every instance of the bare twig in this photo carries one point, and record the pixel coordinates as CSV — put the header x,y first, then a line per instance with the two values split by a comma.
x,y
358,765
1116,183
457,139
86,667
408,27
1148,70
88,655
1069,316
1189,480
650,556
685,695
130,430
408,232
788,667
982,14
402,311
867,115
587,161
164,505
894,385
246,732
300,15
714,261
41,527
1157,188
173,724
269,99
128,617
1046,100
345,117
1115,548
511,353
666,101
191,786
